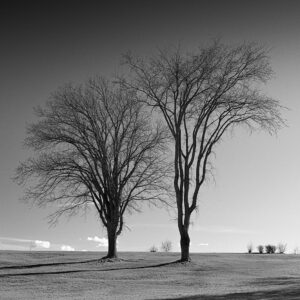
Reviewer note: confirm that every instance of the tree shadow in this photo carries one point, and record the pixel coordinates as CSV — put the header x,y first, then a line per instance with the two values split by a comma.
x,y
43,273
74,271
99,260
174,263
47,265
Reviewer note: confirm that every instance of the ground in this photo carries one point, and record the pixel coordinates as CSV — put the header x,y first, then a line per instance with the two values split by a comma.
x,y
80,275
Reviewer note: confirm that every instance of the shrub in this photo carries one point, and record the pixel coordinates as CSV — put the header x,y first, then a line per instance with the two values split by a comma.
x,y
296,250
153,249
250,248
260,249
281,248
270,249
166,246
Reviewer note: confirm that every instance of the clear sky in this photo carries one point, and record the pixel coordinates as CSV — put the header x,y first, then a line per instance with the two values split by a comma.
x,y
256,193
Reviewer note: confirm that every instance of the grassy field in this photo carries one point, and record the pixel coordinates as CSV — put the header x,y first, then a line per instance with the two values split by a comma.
x,y
80,275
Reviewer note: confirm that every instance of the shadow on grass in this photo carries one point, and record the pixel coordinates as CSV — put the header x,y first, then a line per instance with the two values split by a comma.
x,y
75,271
97,260
278,281
289,289
288,293
43,273
47,265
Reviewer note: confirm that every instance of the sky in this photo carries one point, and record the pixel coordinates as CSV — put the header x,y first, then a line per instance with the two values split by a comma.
x,y
255,194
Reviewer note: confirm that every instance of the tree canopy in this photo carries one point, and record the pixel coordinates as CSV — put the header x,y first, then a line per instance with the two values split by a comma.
x,y
95,144
200,96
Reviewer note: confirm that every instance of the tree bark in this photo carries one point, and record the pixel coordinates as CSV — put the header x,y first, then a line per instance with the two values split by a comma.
x,y
185,246
112,242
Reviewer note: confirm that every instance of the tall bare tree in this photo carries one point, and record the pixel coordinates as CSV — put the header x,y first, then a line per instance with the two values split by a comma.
x,y
201,96
94,144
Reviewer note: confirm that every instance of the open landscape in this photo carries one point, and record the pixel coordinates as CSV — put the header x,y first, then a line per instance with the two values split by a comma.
x,y
81,275
150,150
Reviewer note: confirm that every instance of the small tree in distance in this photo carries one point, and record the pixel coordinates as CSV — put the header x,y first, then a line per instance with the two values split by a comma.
x,y
281,248
260,249
153,249
250,248
270,249
166,246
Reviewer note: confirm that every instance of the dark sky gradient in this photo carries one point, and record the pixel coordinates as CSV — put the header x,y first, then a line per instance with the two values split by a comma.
x,y
45,44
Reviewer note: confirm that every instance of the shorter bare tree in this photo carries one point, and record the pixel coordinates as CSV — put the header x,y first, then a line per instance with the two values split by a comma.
x,y
281,248
250,248
95,144
270,249
31,246
260,249
166,246
153,248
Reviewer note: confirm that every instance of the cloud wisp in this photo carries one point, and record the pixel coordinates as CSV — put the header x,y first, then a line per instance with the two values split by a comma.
x,y
40,244
102,242
9,243
67,248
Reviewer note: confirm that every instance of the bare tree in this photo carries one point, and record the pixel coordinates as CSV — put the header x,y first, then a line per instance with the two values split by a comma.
x,y
270,249
201,96
166,246
250,248
153,249
95,144
281,248
260,249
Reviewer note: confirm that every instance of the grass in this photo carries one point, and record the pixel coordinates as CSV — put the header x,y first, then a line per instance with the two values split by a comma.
x,y
80,275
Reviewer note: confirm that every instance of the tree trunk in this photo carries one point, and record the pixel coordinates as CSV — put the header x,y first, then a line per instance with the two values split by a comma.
x,y
185,245
112,242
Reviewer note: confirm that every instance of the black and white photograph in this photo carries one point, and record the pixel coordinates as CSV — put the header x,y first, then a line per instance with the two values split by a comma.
x,y
149,150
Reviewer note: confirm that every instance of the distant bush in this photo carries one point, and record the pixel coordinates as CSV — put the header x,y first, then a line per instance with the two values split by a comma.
x,y
296,250
166,246
281,248
260,249
270,249
153,249
250,248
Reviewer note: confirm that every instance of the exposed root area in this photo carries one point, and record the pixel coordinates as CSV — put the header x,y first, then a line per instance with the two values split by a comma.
x,y
110,259
184,262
